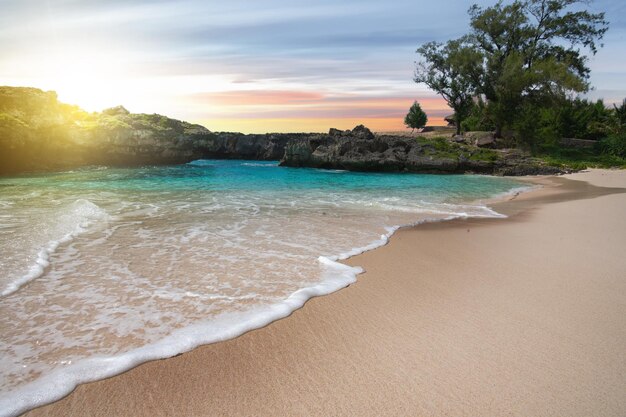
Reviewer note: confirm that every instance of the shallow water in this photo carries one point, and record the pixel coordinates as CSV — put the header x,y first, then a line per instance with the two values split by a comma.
x,y
101,269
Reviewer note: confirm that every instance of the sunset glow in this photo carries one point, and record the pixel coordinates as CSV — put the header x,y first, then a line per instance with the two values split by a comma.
x,y
273,66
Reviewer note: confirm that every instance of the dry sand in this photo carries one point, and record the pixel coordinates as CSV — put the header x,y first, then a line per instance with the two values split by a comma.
x,y
518,317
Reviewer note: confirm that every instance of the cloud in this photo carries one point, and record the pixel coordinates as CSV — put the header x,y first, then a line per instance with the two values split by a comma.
x,y
258,97
306,105
276,58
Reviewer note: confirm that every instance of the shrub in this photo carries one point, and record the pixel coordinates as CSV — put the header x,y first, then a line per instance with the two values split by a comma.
x,y
614,145
478,120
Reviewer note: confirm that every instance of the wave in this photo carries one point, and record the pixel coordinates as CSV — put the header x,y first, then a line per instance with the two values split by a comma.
x,y
260,164
201,163
61,382
334,277
75,219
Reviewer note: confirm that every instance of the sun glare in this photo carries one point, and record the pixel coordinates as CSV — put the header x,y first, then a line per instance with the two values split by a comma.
x,y
89,79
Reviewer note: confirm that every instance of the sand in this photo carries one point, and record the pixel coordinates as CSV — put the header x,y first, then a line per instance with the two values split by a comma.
x,y
524,316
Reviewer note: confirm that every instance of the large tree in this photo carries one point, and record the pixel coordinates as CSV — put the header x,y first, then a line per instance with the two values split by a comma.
x,y
532,51
447,69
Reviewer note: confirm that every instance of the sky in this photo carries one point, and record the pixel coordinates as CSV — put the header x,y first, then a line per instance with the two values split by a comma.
x,y
252,66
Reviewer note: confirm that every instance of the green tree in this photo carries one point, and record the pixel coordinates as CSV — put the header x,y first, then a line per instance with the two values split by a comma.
x,y
415,118
532,52
619,113
448,69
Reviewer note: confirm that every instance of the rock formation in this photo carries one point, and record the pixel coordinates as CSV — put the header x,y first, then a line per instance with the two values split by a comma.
x,y
361,150
38,133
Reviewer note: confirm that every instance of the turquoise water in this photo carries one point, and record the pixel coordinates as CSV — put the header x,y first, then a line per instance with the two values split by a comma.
x,y
102,268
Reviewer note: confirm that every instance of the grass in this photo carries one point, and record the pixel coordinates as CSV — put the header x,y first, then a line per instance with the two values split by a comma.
x,y
486,155
554,155
442,147
579,158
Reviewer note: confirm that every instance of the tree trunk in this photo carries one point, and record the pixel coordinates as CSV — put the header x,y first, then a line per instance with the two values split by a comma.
x,y
457,122
498,132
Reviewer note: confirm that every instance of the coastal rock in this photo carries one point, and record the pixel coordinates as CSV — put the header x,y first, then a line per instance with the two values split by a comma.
x,y
459,139
359,131
362,132
337,132
403,154
480,139
38,133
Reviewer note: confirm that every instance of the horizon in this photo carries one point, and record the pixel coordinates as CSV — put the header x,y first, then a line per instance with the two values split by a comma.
x,y
267,67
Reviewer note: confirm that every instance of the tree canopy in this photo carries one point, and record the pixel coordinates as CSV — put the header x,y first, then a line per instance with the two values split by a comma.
x,y
516,54
415,118
447,69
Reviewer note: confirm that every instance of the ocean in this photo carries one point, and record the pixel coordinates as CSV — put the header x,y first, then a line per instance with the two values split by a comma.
x,y
105,268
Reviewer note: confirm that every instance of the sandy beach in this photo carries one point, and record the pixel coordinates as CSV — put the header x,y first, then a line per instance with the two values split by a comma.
x,y
524,316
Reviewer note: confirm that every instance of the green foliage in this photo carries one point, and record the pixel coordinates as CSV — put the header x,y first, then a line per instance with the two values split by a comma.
x,y
536,125
442,147
478,119
578,158
442,144
519,56
584,119
581,119
531,53
482,154
619,114
614,145
37,117
415,118
446,69
8,121
111,122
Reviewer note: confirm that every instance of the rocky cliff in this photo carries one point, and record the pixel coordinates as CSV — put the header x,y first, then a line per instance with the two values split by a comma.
x,y
38,133
360,150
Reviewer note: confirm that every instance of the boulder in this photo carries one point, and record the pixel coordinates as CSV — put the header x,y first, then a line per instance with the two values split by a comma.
x,y
459,139
362,132
481,139
335,132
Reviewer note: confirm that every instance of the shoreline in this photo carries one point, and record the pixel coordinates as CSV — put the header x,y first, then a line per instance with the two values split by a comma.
x,y
517,208
181,341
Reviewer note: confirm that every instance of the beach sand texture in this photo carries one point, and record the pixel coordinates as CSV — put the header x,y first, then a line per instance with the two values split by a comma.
x,y
523,316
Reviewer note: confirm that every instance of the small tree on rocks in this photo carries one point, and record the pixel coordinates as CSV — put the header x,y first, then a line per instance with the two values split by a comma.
x,y
415,118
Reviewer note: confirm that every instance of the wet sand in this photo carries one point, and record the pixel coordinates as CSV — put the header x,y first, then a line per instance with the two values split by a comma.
x,y
524,316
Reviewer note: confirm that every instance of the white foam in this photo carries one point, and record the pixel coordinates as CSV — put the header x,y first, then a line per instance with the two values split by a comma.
x,y
59,382
201,163
512,193
74,221
260,165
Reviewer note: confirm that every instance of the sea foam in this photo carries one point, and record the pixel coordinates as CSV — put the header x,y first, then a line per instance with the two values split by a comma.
x,y
149,263
61,226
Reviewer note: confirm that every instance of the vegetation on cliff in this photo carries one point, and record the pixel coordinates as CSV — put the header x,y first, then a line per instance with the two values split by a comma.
x,y
39,133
